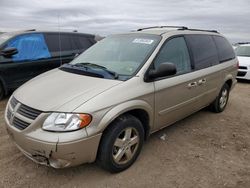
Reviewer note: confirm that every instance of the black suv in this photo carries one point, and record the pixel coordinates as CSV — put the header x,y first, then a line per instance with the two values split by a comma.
x,y
26,54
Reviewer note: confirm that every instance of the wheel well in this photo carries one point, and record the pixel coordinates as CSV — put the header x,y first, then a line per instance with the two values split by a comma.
x,y
229,83
143,116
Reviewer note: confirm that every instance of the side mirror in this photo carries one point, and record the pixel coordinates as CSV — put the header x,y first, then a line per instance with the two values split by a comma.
x,y
164,69
9,52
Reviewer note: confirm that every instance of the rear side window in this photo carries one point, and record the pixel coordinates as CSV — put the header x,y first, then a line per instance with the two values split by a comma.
x,y
68,42
30,47
225,49
204,51
175,51
82,42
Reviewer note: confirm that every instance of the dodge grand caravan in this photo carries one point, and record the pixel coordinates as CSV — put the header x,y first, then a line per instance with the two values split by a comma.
x,y
105,103
26,54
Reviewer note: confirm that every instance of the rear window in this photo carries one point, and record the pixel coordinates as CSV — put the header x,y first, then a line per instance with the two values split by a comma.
x,y
225,49
203,50
68,42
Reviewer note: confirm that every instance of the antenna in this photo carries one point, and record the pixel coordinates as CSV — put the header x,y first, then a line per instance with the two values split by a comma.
x,y
59,37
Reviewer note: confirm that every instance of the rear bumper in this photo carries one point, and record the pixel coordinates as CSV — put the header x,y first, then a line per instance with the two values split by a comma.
x,y
56,154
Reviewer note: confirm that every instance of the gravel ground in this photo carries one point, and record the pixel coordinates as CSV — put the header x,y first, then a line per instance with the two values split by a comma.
x,y
203,150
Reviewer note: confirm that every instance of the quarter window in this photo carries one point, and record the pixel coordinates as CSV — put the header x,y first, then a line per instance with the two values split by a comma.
x,y
225,49
175,51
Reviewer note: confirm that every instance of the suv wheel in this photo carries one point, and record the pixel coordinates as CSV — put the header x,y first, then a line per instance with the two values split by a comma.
x,y
220,102
121,144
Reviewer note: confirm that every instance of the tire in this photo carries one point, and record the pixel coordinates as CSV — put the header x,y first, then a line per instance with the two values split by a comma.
x,y
221,100
121,144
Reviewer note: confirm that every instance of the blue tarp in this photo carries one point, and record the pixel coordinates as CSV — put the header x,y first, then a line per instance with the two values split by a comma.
x,y
30,47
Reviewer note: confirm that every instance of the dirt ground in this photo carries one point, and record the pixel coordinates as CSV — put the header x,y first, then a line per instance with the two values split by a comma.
x,y
203,150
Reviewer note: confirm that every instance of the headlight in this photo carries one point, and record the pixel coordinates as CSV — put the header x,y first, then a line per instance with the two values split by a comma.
x,y
62,122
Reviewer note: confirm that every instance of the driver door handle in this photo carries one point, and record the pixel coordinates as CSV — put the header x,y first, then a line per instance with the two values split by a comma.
x,y
202,81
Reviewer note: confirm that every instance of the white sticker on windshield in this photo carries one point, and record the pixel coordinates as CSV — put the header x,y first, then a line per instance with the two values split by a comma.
x,y
143,41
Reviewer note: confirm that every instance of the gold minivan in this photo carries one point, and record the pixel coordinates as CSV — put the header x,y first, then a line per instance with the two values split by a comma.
x,y
105,103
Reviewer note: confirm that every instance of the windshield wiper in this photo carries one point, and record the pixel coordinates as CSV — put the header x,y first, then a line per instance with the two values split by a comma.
x,y
87,64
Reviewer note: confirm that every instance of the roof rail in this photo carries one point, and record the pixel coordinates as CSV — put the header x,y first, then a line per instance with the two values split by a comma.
x,y
177,27
214,31
163,26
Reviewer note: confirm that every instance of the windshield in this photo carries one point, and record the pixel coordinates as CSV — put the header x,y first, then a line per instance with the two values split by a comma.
x,y
243,51
120,54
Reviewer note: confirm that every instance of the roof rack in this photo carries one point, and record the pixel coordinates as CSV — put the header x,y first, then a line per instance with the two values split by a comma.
x,y
214,31
163,26
178,27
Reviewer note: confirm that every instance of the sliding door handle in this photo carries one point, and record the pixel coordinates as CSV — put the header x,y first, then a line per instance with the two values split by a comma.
x,y
192,84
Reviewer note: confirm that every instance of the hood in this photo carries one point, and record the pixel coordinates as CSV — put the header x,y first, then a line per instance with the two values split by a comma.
x,y
244,61
58,90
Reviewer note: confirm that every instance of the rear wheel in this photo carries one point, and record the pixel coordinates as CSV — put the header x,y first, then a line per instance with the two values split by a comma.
x,y
121,144
221,100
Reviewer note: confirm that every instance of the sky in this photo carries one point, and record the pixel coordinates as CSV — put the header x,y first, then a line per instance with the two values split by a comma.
x,y
105,17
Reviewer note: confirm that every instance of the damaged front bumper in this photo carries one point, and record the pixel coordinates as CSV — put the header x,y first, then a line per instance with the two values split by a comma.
x,y
58,150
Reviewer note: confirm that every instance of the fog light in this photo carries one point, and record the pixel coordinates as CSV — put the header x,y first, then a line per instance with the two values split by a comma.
x,y
58,163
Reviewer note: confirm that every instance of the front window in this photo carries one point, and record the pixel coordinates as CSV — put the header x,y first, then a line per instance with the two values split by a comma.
x,y
30,47
243,51
121,55
175,51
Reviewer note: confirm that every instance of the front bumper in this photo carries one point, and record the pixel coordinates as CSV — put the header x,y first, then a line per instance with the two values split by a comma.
x,y
57,150
243,74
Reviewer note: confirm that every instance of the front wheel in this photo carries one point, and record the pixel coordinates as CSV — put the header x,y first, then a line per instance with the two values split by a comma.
x,y
121,144
221,100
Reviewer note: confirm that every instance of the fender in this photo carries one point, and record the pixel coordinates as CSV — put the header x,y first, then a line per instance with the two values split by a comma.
x,y
118,110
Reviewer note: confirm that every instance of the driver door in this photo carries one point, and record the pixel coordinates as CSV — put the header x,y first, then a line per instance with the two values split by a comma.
x,y
175,96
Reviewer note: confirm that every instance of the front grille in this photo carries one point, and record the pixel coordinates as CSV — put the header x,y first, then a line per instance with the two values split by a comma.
x,y
242,67
240,73
16,108
28,112
13,102
8,114
20,124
